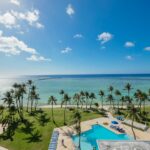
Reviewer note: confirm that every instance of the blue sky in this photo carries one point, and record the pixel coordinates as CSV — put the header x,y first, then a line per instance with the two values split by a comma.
x,y
74,36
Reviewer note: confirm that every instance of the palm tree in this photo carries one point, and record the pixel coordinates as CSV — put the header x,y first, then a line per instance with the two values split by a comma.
x,y
87,97
101,94
144,99
139,95
17,97
62,93
33,95
77,121
133,113
122,99
8,99
29,84
66,99
110,89
110,99
22,90
128,88
15,86
77,99
52,100
36,101
92,97
118,94
82,94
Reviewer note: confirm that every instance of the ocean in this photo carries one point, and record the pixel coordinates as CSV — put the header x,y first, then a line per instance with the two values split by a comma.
x,y
52,84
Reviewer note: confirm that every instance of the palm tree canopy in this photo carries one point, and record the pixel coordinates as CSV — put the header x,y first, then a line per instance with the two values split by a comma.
x,y
110,97
29,82
117,93
92,96
8,98
61,92
110,89
52,100
66,98
77,117
76,97
87,94
82,93
15,85
133,112
101,93
128,87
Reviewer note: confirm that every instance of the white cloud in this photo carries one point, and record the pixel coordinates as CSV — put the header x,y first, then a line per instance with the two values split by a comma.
x,y
78,36
66,50
12,46
39,25
105,37
70,10
147,48
129,44
15,2
129,57
37,58
10,19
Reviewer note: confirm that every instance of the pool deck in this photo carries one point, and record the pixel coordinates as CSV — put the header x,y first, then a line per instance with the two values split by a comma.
x,y
67,131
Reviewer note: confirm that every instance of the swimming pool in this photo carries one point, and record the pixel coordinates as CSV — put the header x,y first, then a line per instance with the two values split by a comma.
x,y
98,132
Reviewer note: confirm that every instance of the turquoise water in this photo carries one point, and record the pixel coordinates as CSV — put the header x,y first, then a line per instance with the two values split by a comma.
x,y
89,138
51,85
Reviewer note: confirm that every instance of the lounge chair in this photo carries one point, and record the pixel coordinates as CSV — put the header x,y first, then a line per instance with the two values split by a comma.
x,y
121,118
121,130
136,125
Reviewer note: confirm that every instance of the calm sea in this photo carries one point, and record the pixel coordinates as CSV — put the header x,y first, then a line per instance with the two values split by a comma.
x,y
51,84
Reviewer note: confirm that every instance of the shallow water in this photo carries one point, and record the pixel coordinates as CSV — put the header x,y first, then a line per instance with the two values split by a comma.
x,y
51,85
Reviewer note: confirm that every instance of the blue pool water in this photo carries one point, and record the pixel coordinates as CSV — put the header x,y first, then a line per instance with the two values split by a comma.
x,y
89,138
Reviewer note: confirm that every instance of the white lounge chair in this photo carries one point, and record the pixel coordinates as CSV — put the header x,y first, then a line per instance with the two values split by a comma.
x,y
137,125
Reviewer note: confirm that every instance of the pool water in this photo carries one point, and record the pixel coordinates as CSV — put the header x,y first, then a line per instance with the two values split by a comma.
x,y
98,132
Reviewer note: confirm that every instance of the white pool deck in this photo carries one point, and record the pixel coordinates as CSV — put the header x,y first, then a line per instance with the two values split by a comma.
x,y
67,131
123,145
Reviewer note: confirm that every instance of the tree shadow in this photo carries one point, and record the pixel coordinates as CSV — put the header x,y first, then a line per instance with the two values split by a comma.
x,y
28,127
34,137
9,132
43,119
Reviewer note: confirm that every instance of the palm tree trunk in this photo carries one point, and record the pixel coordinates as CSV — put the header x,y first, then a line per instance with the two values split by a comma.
x,y
133,129
27,104
122,104
31,104
144,106
79,141
52,113
118,106
91,103
86,103
140,108
65,114
102,102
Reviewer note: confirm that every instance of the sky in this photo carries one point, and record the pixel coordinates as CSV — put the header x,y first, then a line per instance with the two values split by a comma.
x,y
74,37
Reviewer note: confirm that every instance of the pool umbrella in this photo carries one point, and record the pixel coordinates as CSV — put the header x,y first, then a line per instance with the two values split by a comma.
x,y
114,122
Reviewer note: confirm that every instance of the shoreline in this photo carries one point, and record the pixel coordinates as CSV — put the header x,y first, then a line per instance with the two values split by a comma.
x,y
84,106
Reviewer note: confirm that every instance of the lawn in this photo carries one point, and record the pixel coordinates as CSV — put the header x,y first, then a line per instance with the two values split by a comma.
x,y
41,124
